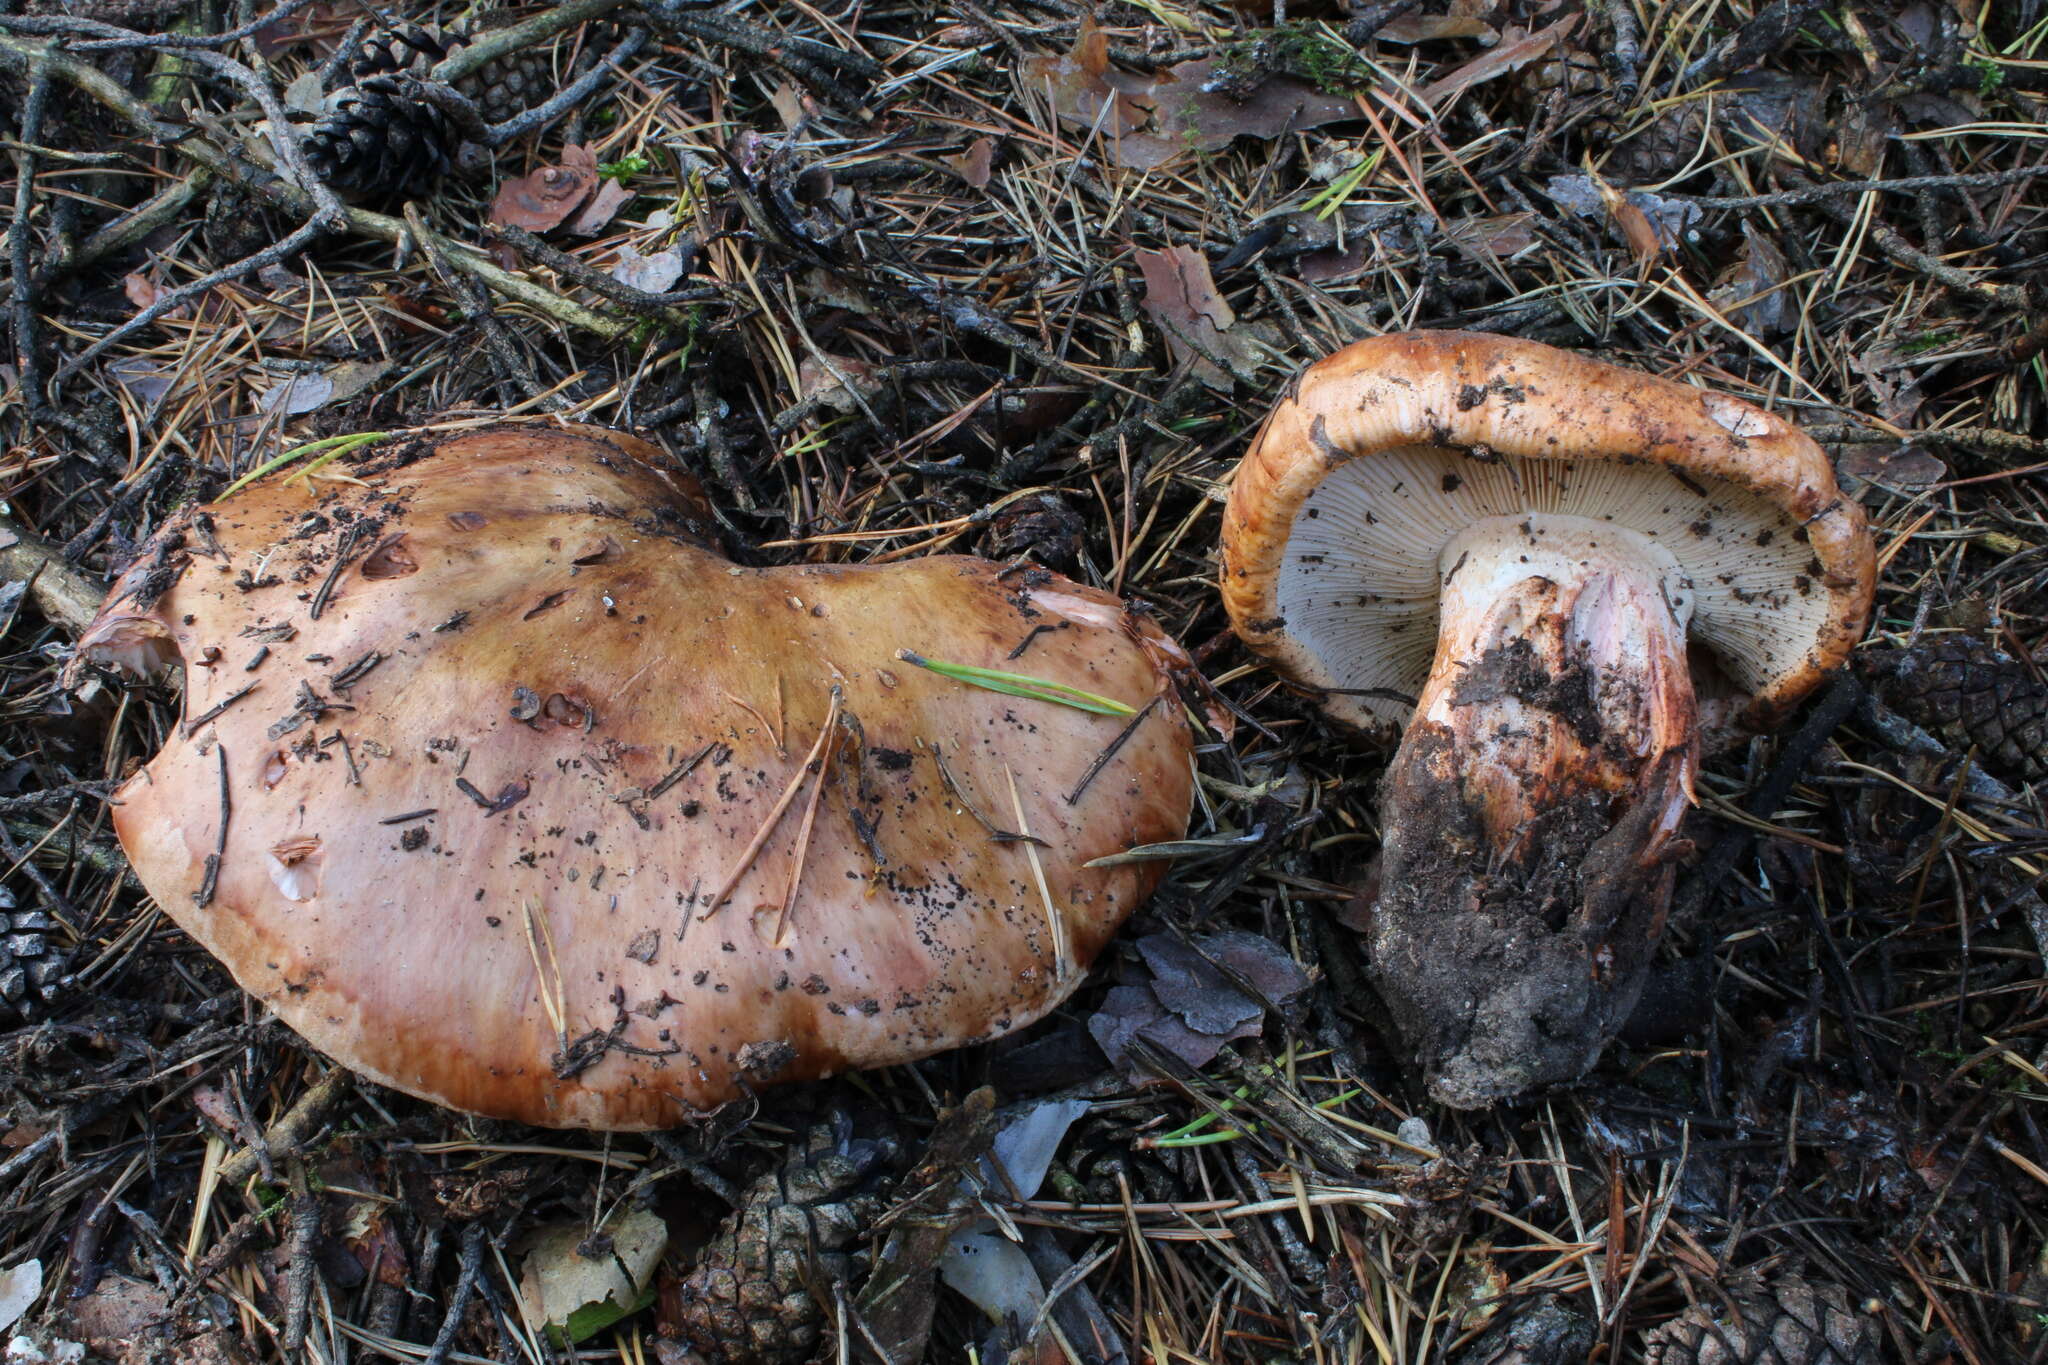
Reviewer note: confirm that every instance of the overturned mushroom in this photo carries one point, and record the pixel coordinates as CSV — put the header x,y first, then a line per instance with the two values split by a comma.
x,y
1523,560
502,787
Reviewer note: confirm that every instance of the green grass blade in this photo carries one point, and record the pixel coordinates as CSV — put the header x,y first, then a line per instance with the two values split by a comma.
x,y
339,445
1020,685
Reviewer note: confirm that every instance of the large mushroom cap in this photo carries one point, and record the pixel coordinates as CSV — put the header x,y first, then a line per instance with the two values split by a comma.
x,y
1385,451
471,745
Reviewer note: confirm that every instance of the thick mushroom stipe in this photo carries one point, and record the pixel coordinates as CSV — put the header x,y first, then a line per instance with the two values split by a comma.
x,y
471,745
1510,555
1530,808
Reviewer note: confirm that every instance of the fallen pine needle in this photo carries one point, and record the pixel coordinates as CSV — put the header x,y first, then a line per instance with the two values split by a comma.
x,y
547,969
1062,960
803,832
774,816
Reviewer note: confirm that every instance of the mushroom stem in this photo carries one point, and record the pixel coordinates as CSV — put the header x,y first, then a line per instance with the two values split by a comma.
x,y
1541,783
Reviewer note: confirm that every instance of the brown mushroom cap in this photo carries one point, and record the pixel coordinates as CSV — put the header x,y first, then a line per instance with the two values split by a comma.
x,y
1385,450
490,728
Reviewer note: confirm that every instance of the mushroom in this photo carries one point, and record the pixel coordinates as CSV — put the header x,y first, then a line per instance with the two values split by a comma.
x,y
502,787
1538,569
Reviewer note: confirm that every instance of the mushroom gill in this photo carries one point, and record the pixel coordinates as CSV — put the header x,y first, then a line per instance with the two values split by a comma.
x,y
502,787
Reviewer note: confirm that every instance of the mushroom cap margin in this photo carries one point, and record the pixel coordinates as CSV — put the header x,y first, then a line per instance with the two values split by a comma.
x,y
1537,402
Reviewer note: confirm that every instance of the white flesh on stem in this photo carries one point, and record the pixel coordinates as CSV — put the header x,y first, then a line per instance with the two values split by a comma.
x,y
1541,782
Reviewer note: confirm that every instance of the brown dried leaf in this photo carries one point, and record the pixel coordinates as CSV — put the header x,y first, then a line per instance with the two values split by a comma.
x,y
1087,91
564,1276
1633,223
1146,122
976,164
1191,1005
604,206
1129,1014
1904,468
1861,136
815,380
655,274
1429,28
1511,55
1752,293
119,1315
542,200
1501,235
1181,297
1190,117
140,291
320,24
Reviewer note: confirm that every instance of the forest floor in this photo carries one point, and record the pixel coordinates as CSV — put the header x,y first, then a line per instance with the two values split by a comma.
x,y
1022,276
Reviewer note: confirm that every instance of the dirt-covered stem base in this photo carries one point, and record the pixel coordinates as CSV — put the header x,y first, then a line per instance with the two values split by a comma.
x,y
1531,807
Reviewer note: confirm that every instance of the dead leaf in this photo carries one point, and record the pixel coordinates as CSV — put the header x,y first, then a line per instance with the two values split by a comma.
x,y
118,1313
1147,121
305,95
318,24
896,1308
209,1100
789,104
143,293
19,1287
1511,55
579,1283
1777,109
814,379
1892,377
1209,120
1181,297
1089,92
1669,221
1752,293
542,200
21,1134
604,206
1428,28
976,164
1634,224
1900,468
654,274
376,1245
1862,135
1188,985
1500,235
338,382
1190,1005
298,393
144,380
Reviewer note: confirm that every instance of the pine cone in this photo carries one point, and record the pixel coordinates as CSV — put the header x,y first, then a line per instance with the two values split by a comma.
x,y
1789,1322
31,963
761,1293
511,85
1970,694
380,137
1550,1332
403,50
